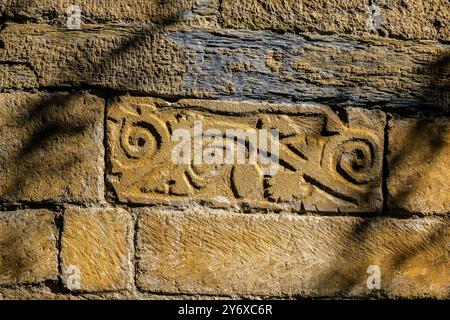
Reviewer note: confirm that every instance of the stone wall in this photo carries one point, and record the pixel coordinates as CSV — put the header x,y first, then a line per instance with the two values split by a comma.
x,y
91,205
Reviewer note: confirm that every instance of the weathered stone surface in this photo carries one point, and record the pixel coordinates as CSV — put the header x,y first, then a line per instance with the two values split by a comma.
x,y
326,164
28,252
168,11
218,253
407,19
17,76
96,249
118,57
314,69
51,147
404,19
42,292
235,64
419,165
31,293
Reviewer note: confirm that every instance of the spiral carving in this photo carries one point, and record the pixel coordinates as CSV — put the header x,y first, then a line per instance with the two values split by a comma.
x,y
139,139
355,161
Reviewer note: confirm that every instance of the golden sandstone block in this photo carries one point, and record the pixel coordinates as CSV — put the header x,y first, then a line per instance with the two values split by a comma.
x,y
112,10
324,163
51,147
28,249
96,249
407,19
216,252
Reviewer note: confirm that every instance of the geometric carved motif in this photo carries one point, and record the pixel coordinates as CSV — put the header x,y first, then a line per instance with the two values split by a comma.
x,y
327,163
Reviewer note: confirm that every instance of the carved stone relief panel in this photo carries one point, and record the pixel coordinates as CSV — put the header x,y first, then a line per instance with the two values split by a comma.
x,y
325,161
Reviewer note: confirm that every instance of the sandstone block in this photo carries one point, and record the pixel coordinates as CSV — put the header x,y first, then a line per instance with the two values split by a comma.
x,y
28,252
408,19
419,165
238,64
96,249
325,164
51,147
215,252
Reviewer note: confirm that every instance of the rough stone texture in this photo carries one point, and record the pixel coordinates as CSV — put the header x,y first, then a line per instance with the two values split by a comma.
x,y
235,64
51,147
96,249
325,164
30,293
155,11
419,163
403,19
104,56
17,76
217,252
28,252
43,292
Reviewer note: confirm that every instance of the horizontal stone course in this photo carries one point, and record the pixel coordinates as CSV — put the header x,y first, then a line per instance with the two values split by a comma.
x,y
215,252
231,64
151,11
325,164
96,248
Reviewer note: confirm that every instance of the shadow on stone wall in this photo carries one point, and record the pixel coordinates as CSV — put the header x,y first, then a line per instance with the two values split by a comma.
x,y
435,95
46,130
